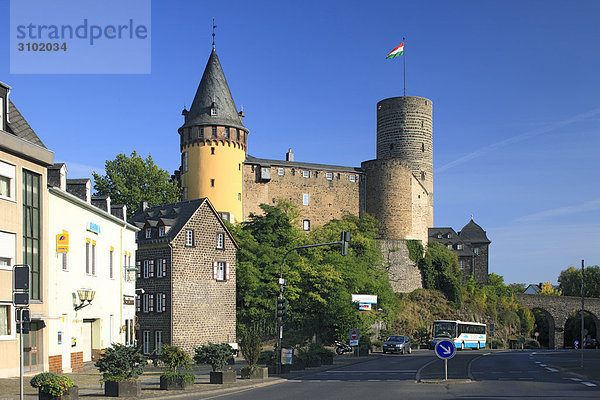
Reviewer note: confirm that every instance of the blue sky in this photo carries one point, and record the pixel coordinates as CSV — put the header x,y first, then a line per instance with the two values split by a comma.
x,y
514,83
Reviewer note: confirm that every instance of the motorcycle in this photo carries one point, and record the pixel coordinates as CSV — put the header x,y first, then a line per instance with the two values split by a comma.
x,y
341,348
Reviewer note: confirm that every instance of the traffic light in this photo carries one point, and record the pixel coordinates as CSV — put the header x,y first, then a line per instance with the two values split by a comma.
x,y
282,306
345,238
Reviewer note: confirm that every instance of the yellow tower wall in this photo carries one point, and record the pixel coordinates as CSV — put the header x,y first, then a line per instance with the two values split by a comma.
x,y
215,171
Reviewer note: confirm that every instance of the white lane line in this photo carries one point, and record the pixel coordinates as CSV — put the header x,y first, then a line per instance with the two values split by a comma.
x,y
387,371
589,383
542,365
574,379
538,362
551,369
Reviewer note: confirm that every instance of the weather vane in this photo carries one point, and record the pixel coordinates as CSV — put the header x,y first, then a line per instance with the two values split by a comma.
x,y
213,34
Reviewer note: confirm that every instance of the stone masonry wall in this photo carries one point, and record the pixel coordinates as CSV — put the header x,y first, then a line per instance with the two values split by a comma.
x,y
327,199
404,275
203,308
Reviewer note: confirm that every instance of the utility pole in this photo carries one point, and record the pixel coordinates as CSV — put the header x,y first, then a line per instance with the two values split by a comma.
x,y
582,313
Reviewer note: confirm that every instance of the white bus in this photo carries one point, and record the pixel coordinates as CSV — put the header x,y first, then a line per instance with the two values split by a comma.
x,y
463,334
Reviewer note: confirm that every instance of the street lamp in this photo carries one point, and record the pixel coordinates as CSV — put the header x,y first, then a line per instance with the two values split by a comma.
x,y
85,295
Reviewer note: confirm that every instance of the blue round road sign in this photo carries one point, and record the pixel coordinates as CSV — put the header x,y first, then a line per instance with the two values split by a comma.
x,y
445,349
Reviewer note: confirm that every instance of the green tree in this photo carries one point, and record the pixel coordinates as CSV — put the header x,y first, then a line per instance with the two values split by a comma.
x,y
570,281
440,271
131,180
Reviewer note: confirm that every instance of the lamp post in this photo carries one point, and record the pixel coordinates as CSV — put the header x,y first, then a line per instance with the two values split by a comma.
x,y
85,295
344,239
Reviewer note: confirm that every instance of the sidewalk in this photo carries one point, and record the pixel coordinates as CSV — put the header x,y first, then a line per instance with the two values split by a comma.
x,y
91,387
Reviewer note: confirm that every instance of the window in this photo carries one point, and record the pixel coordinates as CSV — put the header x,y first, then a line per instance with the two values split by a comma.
x,y
220,240
352,178
161,302
148,233
145,303
157,341
185,193
161,231
148,269
237,134
189,237
212,150
449,235
293,172
450,246
31,231
213,111
87,256
224,216
281,171
306,224
146,342
476,251
93,258
212,183
329,176
214,131
461,264
220,271
138,303
184,161
7,181
439,235
111,274
161,268
227,132
7,250
305,199
459,246
306,174
239,197
129,332
201,133
5,320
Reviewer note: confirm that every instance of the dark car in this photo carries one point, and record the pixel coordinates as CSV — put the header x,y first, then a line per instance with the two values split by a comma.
x,y
397,344
590,344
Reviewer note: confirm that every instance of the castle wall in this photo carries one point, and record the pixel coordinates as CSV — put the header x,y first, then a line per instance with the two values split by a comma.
x,y
327,198
403,273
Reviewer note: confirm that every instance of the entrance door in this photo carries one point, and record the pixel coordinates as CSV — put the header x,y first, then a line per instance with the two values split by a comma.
x,y
86,340
30,347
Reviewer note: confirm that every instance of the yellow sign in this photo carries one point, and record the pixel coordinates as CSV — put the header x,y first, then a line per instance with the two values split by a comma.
x,y
62,242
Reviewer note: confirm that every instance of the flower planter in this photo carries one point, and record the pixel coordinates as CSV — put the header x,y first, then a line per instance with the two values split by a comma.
x,y
122,389
71,394
176,383
221,377
258,373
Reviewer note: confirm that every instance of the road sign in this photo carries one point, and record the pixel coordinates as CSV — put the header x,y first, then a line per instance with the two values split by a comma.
x,y
491,330
21,299
353,334
21,277
445,349
353,343
537,334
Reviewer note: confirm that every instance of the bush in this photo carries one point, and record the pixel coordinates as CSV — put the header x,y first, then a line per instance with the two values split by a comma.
x,y
121,363
51,383
215,355
251,348
497,344
174,357
377,343
175,377
267,357
532,344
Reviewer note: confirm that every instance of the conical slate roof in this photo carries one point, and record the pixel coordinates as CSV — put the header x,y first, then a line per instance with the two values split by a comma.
x,y
473,233
213,91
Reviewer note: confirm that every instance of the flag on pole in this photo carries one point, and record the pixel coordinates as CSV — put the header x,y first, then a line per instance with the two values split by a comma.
x,y
398,51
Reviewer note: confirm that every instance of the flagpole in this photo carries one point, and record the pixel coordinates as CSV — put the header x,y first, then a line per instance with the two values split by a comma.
x,y
404,65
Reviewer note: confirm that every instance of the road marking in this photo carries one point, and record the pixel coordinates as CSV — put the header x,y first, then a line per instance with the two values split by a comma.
x,y
542,365
387,371
574,379
589,383
538,362
551,369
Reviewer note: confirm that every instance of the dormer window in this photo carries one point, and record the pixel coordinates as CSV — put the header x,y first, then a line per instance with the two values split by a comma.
x,y
163,230
148,233
459,247
213,109
439,236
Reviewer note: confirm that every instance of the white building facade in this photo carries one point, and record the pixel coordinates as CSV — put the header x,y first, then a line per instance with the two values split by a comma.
x,y
91,289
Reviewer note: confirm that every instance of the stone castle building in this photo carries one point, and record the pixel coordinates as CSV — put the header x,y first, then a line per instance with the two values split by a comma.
x,y
396,187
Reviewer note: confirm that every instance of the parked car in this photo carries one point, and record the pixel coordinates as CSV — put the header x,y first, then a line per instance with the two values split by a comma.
x,y
397,344
590,344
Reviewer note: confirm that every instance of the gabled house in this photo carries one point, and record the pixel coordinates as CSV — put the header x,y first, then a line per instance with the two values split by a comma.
x,y
186,286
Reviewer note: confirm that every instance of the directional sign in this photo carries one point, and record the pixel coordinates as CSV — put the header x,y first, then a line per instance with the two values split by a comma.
x,y
445,349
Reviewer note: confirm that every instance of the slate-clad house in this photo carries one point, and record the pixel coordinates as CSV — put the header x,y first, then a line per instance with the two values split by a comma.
x,y
186,276
470,245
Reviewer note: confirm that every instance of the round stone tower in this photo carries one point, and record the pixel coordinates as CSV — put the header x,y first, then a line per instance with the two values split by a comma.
x,y
213,144
399,183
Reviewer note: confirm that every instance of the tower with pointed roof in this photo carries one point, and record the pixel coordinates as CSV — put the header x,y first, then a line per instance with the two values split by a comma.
x,y
213,143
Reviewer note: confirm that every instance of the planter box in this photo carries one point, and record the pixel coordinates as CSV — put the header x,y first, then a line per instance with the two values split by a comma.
x,y
72,394
285,369
221,377
178,384
122,389
258,373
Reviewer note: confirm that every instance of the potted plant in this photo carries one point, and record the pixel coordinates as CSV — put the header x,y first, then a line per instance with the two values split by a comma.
x,y
175,360
53,386
120,366
251,350
217,356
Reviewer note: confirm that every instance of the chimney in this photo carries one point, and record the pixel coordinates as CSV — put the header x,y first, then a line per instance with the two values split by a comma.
x,y
57,176
102,202
80,188
143,205
119,211
289,156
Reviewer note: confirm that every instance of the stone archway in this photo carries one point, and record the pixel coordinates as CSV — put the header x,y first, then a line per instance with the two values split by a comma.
x,y
546,338
572,328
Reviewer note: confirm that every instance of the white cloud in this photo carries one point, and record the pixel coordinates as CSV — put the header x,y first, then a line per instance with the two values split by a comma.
x,y
593,205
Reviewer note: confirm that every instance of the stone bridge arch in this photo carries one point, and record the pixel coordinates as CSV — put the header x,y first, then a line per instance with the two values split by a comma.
x,y
558,309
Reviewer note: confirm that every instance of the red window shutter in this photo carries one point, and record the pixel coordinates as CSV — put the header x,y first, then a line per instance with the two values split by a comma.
x,y
215,267
151,302
226,271
164,302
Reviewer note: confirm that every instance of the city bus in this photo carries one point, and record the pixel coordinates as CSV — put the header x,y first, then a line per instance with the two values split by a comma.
x,y
463,334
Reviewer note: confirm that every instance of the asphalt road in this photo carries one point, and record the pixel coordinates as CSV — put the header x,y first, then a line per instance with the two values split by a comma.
x,y
472,375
